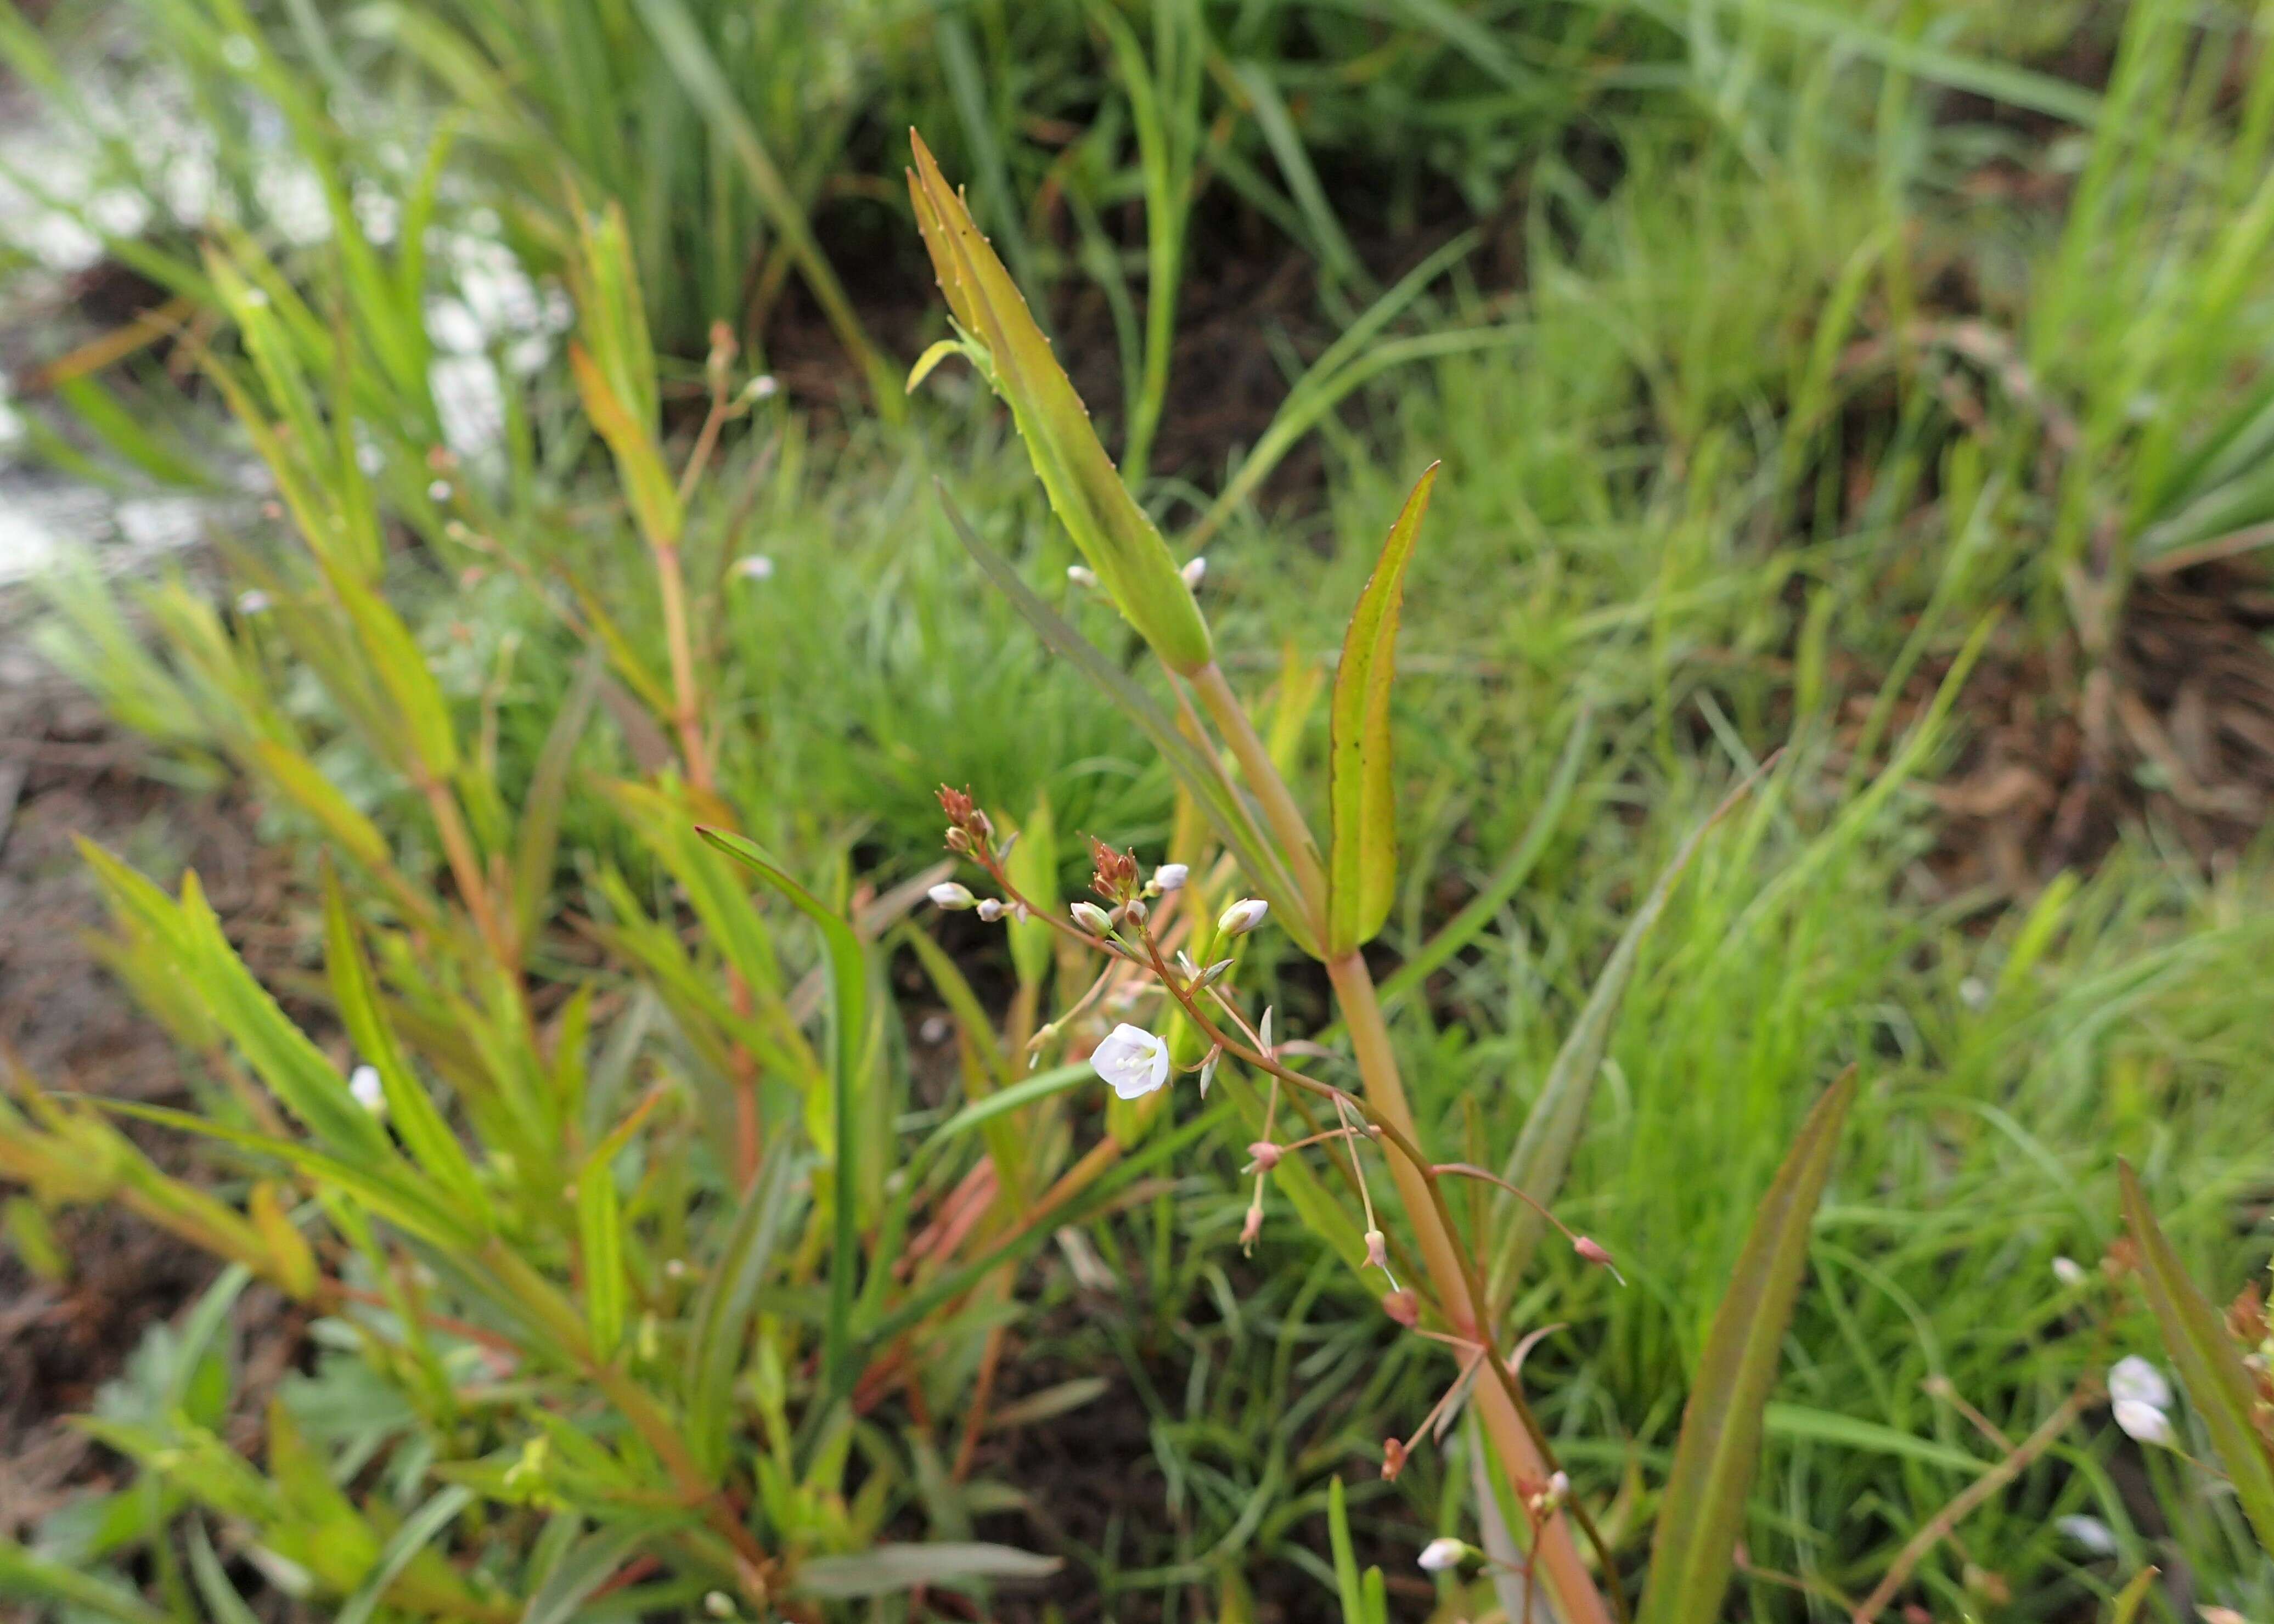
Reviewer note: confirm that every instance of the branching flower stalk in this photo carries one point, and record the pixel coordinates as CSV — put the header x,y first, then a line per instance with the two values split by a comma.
x,y
1454,1279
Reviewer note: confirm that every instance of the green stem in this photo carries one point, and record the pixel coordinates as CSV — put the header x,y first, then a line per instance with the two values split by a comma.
x,y
1263,780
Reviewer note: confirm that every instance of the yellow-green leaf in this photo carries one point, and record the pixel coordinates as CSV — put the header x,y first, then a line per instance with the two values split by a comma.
x,y
600,1234
2212,1371
1133,563
294,1263
1704,1511
1362,874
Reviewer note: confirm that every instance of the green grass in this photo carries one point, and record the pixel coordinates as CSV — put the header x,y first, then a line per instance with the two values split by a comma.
x,y
1705,483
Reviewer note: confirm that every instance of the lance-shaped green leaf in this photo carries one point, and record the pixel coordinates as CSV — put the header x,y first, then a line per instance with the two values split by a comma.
x,y
1720,1448
848,1005
882,1569
1133,563
2216,1379
1362,871
722,1314
423,1130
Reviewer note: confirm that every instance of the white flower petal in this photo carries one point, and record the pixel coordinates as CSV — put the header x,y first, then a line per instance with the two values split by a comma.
x,y
2143,1423
2087,1533
2134,1378
1132,1060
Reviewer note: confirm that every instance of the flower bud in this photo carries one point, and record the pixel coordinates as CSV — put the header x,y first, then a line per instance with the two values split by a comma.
x,y
718,1605
1252,1227
1171,876
1264,1153
1402,1306
369,1091
952,896
1242,916
1134,911
1393,1459
991,909
1208,1071
1193,570
1082,575
1377,1250
1214,973
755,567
1440,1555
1592,1251
958,842
1091,918
2069,1272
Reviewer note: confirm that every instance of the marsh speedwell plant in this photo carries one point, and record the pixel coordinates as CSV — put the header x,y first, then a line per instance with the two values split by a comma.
x,y
1169,946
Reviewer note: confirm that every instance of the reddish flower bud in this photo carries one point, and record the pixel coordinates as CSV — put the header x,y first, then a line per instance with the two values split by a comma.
x,y
1402,1306
1253,1227
1377,1250
1265,1154
1393,1459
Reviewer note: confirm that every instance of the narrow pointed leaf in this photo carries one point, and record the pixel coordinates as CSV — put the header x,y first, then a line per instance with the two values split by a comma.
x,y
722,1314
1362,873
600,1238
418,1530
1120,542
884,1569
848,1005
1703,1513
2213,1372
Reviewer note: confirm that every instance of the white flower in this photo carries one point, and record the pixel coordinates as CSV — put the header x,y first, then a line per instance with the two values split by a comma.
x,y
755,567
2134,1378
718,1605
1132,1060
1242,916
1171,876
949,895
2090,1533
2068,1271
1439,1554
765,387
1082,575
253,600
2143,1423
369,1091
1192,572
1091,918
438,491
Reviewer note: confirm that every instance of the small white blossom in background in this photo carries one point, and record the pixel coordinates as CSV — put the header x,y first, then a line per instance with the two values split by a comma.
x,y
1242,916
2140,1399
2088,1534
949,895
2068,1271
765,387
718,1605
755,567
1439,1554
1171,876
1132,1060
438,491
369,1091
253,600
1194,572
1082,575
991,909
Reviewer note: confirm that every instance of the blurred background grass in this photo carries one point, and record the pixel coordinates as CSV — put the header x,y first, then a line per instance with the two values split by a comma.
x,y
1774,349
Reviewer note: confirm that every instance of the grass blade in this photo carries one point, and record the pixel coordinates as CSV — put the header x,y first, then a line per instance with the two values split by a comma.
x,y
885,1568
2216,1379
1362,873
420,1528
722,1315
1721,1443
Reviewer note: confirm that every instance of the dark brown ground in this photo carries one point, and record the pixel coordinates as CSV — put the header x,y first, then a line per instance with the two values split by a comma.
x,y
63,775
